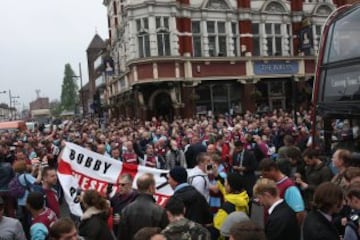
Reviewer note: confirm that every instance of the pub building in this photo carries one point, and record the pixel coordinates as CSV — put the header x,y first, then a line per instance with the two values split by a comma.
x,y
186,57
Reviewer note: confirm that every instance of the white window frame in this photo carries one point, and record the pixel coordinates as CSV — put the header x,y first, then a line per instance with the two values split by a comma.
x,y
275,35
198,36
258,36
216,35
285,44
235,38
317,29
143,37
162,30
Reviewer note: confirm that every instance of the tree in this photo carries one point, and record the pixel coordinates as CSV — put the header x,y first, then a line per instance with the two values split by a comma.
x,y
55,107
69,90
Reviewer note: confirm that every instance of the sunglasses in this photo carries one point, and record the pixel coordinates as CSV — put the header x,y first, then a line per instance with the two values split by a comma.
x,y
123,184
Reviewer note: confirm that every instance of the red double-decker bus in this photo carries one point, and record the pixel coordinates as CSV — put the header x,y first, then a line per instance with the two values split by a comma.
x,y
336,92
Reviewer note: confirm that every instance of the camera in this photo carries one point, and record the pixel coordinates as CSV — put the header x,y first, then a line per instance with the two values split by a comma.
x,y
209,167
355,218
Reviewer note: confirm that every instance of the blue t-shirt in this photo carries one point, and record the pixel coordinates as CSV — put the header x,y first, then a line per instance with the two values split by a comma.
x,y
38,231
294,199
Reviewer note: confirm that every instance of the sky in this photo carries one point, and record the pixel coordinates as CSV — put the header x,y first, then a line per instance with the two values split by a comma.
x,y
37,39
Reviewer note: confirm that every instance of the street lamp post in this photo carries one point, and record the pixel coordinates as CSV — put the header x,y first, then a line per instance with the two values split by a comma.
x,y
81,90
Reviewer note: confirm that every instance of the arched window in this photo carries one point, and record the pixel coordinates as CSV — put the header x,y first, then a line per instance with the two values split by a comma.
x,y
275,7
272,37
323,10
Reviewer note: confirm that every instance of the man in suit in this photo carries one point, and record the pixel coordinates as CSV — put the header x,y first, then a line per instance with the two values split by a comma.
x,y
282,223
244,163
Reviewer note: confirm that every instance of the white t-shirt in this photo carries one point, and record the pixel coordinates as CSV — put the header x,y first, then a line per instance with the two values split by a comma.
x,y
199,180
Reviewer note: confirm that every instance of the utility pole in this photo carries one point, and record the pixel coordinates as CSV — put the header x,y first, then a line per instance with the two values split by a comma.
x,y
81,91
11,103
10,100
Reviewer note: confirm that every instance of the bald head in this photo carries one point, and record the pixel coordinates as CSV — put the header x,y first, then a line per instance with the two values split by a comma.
x,y
146,183
211,149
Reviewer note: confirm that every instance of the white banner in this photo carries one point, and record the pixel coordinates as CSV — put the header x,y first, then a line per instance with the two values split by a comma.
x,y
80,168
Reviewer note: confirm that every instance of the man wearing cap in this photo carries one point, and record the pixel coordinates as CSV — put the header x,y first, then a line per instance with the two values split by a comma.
x,y
10,228
197,208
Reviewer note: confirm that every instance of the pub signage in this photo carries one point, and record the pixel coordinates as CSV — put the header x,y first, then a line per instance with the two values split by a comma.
x,y
276,67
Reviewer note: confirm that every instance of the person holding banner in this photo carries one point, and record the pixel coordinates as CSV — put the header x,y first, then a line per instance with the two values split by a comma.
x,y
129,156
49,181
150,158
116,154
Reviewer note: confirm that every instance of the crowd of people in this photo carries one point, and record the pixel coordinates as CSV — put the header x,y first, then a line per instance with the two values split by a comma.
x,y
234,177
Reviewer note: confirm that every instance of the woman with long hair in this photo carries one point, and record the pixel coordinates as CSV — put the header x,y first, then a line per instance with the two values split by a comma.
x,y
93,225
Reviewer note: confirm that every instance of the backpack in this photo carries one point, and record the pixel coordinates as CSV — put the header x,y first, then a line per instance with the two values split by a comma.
x,y
191,179
16,189
7,174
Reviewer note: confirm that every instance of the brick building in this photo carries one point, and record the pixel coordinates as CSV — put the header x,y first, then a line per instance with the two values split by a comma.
x,y
40,109
184,57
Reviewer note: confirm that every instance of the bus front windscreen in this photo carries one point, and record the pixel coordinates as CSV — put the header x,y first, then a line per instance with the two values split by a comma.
x,y
342,84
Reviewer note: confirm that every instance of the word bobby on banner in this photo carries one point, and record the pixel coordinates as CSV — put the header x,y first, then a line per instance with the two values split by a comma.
x,y
80,168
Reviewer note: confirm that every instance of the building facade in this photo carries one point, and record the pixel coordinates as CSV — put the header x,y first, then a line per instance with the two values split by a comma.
x,y
6,112
188,57
93,91
40,109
